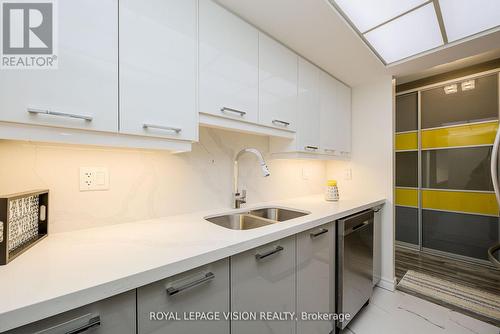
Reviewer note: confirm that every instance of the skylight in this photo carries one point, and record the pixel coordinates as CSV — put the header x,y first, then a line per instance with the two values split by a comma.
x,y
398,29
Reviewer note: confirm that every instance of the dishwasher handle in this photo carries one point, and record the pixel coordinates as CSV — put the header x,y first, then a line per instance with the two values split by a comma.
x,y
357,222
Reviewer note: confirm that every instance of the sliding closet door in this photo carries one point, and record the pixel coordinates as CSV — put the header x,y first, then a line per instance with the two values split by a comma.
x,y
407,175
458,126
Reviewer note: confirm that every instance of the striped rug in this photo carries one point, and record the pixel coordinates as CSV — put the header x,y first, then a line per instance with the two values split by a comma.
x,y
467,298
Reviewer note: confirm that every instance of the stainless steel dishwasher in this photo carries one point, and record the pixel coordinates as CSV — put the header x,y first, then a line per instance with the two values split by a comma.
x,y
354,263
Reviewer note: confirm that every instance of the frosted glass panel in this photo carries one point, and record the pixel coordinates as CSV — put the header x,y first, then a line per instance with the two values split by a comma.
x,y
407,112
478,104
456,233
457,168
407,225
463,18
407,169
408,35
368,14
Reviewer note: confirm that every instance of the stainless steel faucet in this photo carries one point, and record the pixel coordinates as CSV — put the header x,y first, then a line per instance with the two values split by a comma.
x,y
240,197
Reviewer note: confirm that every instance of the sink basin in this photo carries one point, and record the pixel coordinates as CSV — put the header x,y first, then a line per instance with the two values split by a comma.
x,y
277,214
242,221
254,218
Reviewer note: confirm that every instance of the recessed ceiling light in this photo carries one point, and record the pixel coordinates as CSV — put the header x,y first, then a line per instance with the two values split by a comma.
x,y
464,18
468,85
368,14
451,89
408,35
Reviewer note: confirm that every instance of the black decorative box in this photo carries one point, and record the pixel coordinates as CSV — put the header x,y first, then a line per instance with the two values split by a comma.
x,y
23,222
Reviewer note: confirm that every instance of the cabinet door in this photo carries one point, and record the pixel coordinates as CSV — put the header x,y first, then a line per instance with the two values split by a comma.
x,y
263,280
277,84
115,315
229,73
83,91
329,125
316,277
308,116
158,55
335,101
204,289
343,126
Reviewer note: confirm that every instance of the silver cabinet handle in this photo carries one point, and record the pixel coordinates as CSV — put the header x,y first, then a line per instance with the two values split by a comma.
x,y
173,290
278,122
320,232
311,148
225,109
93,322
161,127
271,252
329,150
57,113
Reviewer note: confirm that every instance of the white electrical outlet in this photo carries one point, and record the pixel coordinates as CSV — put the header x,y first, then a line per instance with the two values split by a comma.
x,y
94,178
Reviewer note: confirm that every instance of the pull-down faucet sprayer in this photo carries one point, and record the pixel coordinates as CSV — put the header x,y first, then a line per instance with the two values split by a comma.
x,y
240,197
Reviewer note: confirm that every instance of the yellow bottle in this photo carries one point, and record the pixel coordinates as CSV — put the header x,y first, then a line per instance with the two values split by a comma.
x,y
332,191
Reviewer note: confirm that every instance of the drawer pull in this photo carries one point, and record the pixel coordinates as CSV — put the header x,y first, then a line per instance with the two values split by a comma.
x,y
320,232
329,150
311,148
225,109
278,122
161,127
94,322
208,276
277,249
57,113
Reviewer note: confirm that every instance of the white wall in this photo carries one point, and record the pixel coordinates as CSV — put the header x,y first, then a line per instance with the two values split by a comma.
x,y
148,184
372,160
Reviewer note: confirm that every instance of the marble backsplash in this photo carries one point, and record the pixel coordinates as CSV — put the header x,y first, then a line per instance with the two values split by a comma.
x,y
148,184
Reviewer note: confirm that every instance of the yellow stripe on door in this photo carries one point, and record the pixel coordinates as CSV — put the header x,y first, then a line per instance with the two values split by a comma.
x,y
406,141
461,201
461,135
407,197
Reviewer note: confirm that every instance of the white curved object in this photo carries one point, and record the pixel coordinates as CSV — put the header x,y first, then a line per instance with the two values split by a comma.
x,y
494,166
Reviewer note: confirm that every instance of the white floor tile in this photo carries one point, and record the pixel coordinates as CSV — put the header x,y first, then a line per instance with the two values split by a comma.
x,y
398,313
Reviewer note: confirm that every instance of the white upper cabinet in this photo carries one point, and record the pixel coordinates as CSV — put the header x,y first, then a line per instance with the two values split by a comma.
x,y
328,124
343,114
277,84
335,130
307,136
308,115
158,68
323,117
228,64
82,92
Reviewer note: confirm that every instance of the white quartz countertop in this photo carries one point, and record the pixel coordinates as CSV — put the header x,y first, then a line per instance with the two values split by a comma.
x,y
69,270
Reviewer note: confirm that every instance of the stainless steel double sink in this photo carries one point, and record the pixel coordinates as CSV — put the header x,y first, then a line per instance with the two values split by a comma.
x,y
255,218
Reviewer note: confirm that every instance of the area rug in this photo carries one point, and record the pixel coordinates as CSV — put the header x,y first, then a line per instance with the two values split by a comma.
x,y
473,301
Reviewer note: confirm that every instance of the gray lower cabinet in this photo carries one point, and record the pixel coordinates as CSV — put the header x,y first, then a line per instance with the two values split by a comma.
x,y
263,280
115,315
315,278
204,289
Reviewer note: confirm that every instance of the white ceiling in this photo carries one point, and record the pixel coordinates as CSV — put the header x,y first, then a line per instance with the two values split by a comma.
x,y
315,30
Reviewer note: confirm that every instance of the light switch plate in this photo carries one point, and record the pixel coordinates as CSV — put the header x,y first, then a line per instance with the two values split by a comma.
x,y
94,178
348,174
305,173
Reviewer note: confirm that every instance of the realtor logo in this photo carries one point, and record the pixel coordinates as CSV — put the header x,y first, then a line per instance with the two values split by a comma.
x,y
28,35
